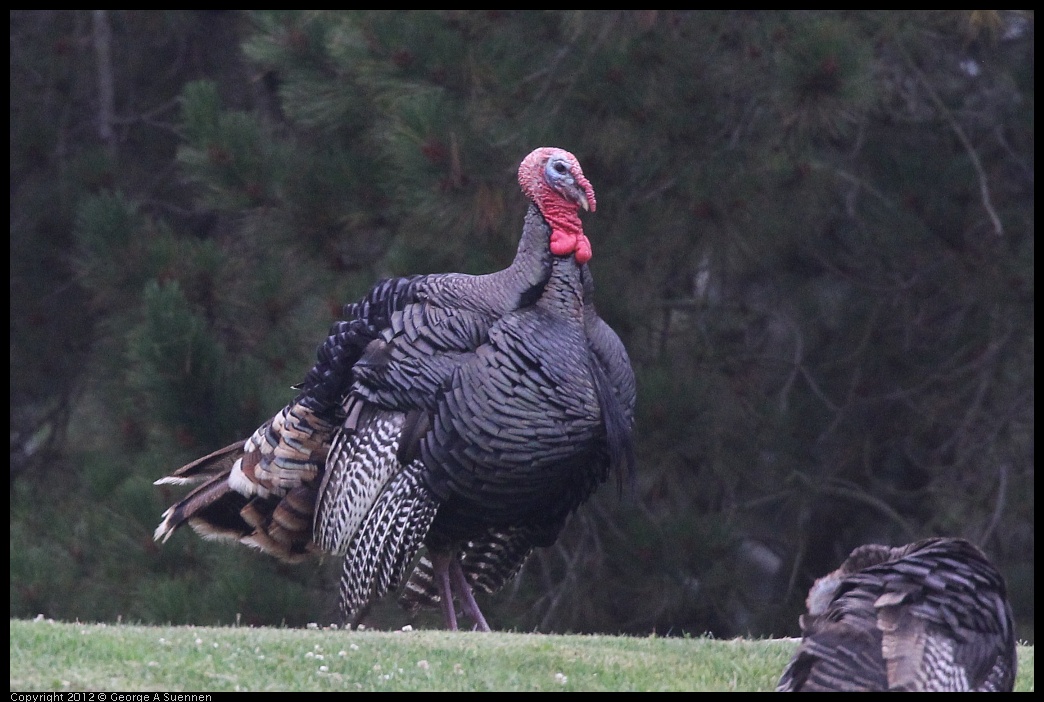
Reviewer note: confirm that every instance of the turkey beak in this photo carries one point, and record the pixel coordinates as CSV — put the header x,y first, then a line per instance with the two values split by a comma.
x,y
582,201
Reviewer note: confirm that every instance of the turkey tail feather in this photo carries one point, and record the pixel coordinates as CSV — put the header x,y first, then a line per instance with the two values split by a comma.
x,y
199,501
208,466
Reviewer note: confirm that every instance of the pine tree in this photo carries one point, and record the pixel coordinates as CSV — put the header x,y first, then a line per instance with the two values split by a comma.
x,y
814,233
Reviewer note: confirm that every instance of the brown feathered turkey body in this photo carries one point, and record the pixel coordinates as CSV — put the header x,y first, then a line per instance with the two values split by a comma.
x,y
929,616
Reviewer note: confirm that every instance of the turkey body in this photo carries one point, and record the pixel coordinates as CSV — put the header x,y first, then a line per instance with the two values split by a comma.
x,y
493,548
510,447
466,414
929,616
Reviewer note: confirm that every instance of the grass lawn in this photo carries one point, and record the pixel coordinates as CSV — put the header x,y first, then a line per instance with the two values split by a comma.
x,y
47,655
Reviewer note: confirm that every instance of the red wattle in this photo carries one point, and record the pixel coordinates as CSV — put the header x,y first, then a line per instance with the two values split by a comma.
x,y
583,249
562,243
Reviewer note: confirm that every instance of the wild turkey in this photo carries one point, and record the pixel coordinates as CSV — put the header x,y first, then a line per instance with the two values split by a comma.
x,y
396,438
929,616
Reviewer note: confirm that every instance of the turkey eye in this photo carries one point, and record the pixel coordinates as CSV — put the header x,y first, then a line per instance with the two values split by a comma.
x,y
560,168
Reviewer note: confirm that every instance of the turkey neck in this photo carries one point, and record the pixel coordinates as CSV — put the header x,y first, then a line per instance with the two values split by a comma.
x,y
529,271
563,294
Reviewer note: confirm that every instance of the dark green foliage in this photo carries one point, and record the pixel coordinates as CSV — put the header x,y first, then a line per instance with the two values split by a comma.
x,y
814,234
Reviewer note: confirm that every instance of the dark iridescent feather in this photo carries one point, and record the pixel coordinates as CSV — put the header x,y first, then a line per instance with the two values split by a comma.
x,y
929,616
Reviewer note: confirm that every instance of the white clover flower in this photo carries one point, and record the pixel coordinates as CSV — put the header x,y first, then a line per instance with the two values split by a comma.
x,y
423,665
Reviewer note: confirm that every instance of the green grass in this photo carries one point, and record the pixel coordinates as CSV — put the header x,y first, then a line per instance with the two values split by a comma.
x,y
47,655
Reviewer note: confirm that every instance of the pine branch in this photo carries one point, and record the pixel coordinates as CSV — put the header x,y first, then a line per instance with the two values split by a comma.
x,y
106,89
984,188
998,507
